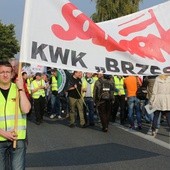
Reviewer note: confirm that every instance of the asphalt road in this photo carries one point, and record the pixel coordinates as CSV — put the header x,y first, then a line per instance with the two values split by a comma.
x,y
54,146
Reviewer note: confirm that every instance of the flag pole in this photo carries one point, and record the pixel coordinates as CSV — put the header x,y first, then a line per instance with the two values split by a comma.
x,y
23,44
16,108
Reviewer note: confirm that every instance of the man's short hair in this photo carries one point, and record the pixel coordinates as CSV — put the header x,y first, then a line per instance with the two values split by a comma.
x,y
107,76
53,70
38,74
5,63
23,73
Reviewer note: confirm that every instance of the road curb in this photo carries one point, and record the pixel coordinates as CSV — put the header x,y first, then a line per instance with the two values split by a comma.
x,y
144,136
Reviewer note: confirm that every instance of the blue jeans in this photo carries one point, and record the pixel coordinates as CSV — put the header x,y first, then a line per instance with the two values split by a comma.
x,y
55,104
146,116
12,158
134,107
90,108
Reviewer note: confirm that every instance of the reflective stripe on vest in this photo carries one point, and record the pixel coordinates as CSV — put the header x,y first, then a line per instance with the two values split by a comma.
x,y
40,92
11,117
54,86
7,112
119,84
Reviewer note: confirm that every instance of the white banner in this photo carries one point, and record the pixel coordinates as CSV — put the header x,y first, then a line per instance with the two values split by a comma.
x,y
57,34
31,69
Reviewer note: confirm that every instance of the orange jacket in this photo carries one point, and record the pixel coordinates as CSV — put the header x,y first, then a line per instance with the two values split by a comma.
x,y
131,85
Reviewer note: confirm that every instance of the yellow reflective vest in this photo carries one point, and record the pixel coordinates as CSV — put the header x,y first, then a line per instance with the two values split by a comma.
x,y
7,114
54,84
119,85
40,92
84,85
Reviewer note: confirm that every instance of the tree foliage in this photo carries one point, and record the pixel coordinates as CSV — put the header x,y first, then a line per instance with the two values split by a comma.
x,y
110,9
9,45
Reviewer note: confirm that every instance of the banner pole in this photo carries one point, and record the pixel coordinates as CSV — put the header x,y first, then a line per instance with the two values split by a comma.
x,y
81,97
16,108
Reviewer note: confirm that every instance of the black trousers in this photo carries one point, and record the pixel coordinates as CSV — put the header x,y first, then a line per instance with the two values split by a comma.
x,y
104,110
39,108
119,102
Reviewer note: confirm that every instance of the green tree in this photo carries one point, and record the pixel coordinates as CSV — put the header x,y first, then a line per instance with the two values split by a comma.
x,y
110,9
9,45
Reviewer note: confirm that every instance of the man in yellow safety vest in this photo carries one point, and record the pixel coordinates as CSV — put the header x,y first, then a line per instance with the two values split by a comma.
x,y
8,133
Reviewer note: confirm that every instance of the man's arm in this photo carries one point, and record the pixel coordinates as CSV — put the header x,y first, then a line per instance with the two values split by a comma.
x,y
25,105
71,85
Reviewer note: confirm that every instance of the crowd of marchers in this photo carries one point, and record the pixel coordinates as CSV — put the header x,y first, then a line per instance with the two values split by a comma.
x,y
110,98
87,100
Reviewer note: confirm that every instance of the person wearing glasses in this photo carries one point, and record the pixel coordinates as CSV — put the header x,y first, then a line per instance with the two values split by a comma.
x,y
8,98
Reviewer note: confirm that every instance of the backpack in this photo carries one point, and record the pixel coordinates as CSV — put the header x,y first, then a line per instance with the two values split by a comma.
x,y
105,91
141,92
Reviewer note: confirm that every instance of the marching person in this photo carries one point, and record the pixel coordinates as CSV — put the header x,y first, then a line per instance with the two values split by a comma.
x,y
149,117
75,99
104,104
160,100
119,95
55,98
87,89
38,94
15,64
8,104
131,84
